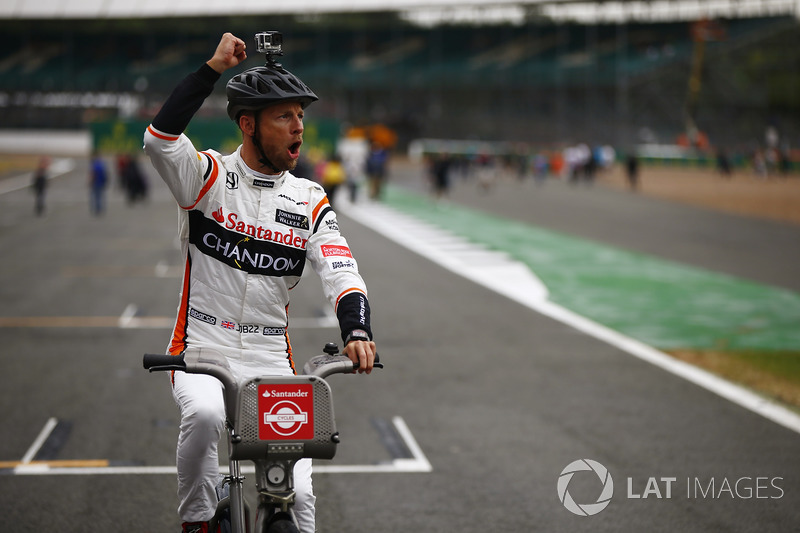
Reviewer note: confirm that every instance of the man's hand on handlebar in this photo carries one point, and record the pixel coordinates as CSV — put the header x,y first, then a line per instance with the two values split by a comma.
x,y
361,352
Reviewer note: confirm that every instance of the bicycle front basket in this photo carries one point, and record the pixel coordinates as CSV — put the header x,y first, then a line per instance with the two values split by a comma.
x,y
288,417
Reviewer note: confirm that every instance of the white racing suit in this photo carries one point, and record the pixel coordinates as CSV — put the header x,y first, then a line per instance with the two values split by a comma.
x,y
245,238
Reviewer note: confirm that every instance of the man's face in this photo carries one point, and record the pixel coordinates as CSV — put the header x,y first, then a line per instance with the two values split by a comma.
x,y
281,134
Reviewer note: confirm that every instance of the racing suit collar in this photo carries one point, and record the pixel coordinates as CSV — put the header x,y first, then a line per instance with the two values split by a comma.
x,y
257,179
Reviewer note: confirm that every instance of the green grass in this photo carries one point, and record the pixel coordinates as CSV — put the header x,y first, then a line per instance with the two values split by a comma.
x,y
775,375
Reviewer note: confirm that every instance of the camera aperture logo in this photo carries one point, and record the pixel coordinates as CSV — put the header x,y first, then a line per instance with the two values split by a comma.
x,y
699,488
585,509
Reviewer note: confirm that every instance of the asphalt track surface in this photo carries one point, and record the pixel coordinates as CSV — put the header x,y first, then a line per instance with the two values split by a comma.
x,y
499,399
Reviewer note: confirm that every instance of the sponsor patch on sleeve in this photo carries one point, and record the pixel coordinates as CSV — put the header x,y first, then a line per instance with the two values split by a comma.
x,y
331,250
338,257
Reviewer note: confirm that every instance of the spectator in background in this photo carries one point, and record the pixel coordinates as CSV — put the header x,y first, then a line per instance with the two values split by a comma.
x,y
760,164
39,184
724,163
440,172
541,167
376,170
132,179
484,171
354,151
784,162
590,166
333,175
632,171
557,164
98,178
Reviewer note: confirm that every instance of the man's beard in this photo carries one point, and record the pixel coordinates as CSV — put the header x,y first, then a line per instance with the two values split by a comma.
x,y
277,163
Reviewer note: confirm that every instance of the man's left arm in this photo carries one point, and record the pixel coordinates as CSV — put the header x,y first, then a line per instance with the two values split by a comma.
x,y
354,321
343,285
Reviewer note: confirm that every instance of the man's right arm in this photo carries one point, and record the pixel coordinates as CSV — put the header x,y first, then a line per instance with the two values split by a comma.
x,y
182,168
190,93
185,100
172,154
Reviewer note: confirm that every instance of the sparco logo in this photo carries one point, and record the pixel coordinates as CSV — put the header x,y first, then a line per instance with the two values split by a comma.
x,y
585,509
194,313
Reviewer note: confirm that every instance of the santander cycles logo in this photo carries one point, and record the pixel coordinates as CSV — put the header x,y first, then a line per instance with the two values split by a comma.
x,y
585,509
286,411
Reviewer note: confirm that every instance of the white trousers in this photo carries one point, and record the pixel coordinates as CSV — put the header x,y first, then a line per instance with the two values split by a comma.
x,y
199,398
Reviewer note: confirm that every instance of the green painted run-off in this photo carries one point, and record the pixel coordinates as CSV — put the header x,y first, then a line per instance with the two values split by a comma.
x,y
664,304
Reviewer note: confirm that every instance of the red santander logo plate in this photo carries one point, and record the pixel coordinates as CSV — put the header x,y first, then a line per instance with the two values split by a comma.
x,y
286,411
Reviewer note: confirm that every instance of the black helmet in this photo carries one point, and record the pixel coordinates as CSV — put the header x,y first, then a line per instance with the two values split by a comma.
x,y
261,86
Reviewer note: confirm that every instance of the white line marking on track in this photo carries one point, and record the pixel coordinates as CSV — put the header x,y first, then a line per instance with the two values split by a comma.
x,y
127,315
495,270
48,428
419,464
419,460
516,281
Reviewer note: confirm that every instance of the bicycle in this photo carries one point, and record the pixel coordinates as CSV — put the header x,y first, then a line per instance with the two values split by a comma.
x,y
272,421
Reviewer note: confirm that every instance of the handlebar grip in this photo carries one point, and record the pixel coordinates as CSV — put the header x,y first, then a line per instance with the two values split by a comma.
x,y
377,363
155,362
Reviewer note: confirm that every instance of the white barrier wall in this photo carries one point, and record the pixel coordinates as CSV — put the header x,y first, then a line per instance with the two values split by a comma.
x,y
46,142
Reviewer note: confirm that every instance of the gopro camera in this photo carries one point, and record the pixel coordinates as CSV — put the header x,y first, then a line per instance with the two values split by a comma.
x,y
269,42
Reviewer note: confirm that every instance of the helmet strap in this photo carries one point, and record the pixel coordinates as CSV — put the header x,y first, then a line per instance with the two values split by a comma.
x,y
264,160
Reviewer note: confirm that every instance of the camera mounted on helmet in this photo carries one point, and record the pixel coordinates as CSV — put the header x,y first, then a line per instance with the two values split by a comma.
x,y
260,87
271,44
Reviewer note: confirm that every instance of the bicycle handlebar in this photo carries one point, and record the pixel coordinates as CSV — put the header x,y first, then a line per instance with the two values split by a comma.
x,y
321,366
156,362
325,365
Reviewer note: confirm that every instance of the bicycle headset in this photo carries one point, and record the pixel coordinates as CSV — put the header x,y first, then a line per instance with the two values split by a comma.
x,y
259,87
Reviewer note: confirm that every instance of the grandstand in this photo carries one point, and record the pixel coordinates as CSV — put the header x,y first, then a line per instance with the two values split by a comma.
x,y
537,80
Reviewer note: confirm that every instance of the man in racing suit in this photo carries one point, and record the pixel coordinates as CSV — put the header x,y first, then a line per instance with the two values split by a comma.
x,y
247,227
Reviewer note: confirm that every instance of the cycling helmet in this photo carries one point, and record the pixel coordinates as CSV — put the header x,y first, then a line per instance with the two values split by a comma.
x,y
261,86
